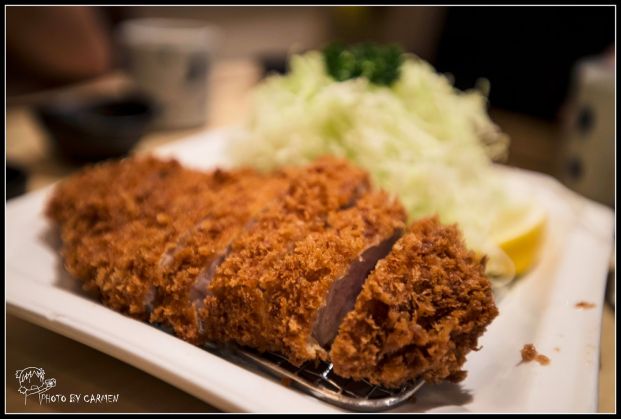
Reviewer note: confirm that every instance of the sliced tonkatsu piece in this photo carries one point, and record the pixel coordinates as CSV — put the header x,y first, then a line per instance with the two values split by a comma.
x,y
117,219
119,265
188,264
332,265
365,234
420,311
269,290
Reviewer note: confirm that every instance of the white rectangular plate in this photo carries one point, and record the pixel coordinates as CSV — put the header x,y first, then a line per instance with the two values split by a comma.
x,y
539,308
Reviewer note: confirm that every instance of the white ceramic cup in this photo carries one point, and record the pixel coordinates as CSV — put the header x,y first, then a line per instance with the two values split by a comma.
x,y
169,60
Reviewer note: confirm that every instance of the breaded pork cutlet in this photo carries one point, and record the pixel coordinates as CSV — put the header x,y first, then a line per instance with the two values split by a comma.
x,y
117,219
420,311
268,291
308,262
108,215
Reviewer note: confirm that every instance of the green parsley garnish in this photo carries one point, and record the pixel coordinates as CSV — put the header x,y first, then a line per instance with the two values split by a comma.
x,y
379,64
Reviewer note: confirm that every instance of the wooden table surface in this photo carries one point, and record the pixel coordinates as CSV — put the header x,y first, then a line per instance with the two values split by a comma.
x,y
78,368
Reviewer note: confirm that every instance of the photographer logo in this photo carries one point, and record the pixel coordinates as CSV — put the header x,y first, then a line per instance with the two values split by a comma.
x,y
32,381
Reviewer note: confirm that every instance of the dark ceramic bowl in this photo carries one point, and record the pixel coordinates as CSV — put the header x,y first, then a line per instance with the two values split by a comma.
x,y
91,129
15,181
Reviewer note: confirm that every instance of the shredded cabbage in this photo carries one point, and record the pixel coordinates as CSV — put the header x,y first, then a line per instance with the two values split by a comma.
x,y
420,138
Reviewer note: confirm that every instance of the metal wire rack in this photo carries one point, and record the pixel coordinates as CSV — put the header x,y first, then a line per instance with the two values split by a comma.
x,y
320,380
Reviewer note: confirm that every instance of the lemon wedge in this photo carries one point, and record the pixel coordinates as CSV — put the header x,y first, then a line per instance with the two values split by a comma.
x,y
519,232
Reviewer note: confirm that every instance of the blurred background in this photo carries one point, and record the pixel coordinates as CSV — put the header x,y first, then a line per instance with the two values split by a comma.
x,y
88,83
551,69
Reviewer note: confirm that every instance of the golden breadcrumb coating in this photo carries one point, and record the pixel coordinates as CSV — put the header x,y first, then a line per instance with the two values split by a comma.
x,y
419,313
111,193
185,264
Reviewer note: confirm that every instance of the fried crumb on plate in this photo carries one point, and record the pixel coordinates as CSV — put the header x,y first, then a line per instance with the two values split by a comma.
x,y
584,305
529,353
